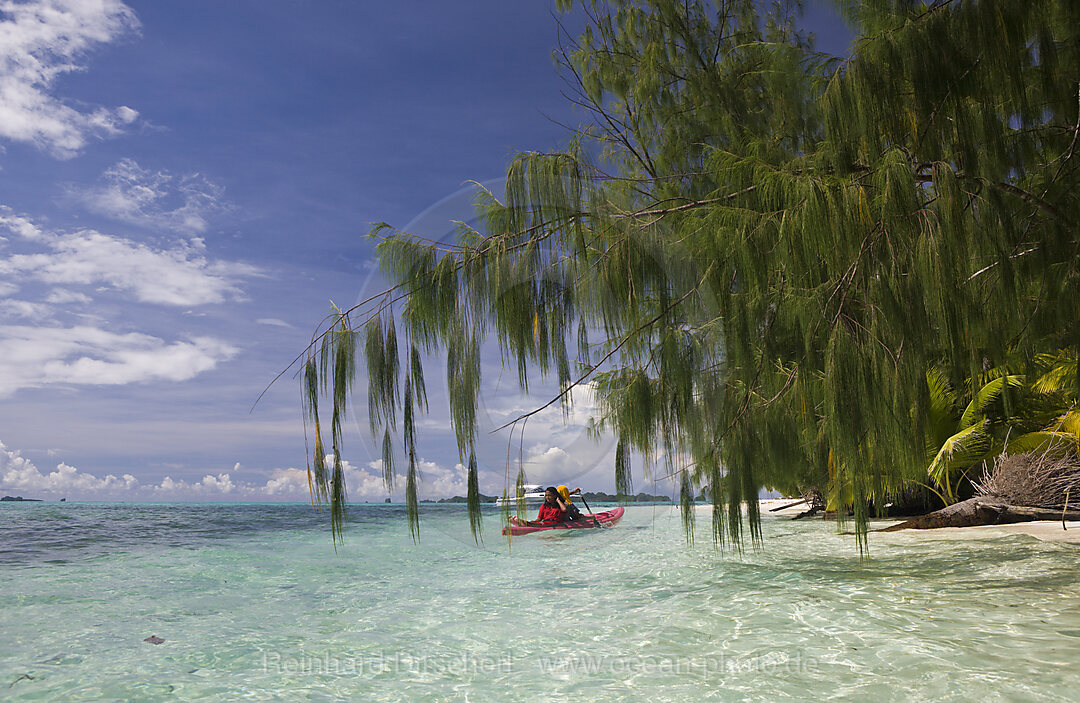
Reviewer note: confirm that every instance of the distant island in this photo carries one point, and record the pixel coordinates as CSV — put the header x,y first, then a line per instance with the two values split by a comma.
x,y
20,498
596,497
463,499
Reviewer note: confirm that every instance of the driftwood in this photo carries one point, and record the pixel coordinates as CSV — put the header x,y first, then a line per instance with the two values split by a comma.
x,y
815,503
1019,488
789,505
982,511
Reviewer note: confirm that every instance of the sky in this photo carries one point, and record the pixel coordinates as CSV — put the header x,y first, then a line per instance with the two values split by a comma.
x,y
185,189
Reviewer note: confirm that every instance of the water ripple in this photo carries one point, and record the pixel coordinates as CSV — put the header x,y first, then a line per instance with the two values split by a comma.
x,y
254,602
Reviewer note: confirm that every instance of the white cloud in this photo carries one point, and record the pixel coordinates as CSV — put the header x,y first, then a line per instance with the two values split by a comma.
x,y
559,448
360,484
126,114
19,474
581,407
436,481
439,481
22,227
23,309
39,42
37,356
208,486
37,349
61,296
550,464
159,200
273,322
287,482
179,276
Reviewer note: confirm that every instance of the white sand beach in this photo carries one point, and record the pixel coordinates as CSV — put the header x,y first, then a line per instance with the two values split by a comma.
x,y
1046,530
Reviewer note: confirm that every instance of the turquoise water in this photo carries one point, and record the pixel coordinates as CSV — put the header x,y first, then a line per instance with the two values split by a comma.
x,y
254,604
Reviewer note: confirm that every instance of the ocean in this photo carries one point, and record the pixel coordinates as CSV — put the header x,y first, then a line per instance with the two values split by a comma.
x,y
253,602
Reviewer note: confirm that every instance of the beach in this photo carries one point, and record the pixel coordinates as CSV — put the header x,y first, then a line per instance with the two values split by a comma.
x,y
1045,530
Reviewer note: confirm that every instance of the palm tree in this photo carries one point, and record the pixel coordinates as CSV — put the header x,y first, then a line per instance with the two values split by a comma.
x,y
1043,418
965,439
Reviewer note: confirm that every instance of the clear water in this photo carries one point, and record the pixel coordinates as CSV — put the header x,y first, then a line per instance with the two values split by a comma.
x,y
254,604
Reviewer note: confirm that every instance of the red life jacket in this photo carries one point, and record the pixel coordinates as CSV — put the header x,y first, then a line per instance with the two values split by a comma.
x,y
549,513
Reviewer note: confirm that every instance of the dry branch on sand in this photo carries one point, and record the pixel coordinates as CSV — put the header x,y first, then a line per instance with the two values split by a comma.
x,y
1020,488
1035,480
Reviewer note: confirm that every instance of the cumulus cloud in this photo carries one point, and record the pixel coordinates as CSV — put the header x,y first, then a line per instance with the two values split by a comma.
x,y
18,474
181,275
436,481
287,482
209,486
155,199
560,447
550,464
37,356
41,41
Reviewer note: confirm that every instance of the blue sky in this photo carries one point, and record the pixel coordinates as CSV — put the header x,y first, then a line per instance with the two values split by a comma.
x,y
184,188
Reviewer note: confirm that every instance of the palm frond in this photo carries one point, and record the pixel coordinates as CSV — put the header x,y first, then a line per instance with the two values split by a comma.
x,y
1044,442
959,451
990,392
1061,376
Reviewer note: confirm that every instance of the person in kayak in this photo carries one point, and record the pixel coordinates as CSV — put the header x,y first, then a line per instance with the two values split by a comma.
x,y
554,510
570,511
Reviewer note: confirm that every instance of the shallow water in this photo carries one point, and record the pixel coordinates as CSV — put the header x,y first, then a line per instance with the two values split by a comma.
x,y
253,603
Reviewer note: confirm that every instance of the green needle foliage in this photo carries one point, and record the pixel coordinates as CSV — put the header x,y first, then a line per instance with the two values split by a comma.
x,y
475,518
330,368
768,246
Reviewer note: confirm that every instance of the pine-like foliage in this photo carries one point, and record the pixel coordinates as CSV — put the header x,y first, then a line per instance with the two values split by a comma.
x,y
475,517
773,245
330,368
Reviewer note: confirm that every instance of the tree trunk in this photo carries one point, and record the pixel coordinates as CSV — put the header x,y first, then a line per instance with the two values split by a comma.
x,y
981,511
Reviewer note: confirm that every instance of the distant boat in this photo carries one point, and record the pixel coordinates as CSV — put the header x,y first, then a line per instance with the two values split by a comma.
x,y
63,500
533,495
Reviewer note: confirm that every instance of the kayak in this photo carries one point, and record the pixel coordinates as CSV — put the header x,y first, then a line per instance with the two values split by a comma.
x,y
605,519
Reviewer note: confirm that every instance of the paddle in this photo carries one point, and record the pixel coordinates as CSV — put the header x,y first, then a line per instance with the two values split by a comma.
x,y
589,509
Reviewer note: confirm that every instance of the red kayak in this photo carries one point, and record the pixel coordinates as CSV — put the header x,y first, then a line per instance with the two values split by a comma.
x,y
604,519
